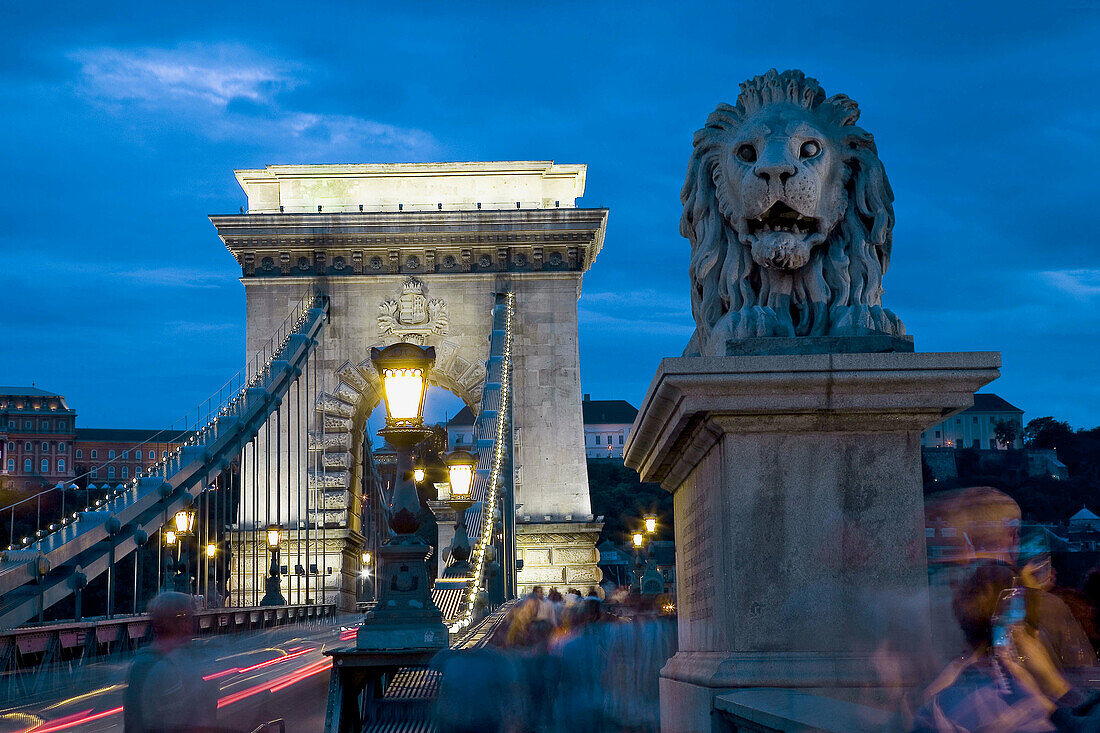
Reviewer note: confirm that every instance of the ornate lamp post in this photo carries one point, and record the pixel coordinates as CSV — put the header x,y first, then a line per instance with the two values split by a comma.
x,y
364,573
405,616
273,593
211,569
460,471
184,525
637,538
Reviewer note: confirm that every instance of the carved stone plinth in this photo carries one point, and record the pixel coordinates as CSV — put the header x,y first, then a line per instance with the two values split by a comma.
x,y
799,517
561,554
404,617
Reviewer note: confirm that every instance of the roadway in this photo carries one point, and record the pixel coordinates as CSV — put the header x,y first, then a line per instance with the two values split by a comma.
x,y
260,676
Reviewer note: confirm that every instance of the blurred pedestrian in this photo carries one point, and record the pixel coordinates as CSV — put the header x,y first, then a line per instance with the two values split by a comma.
x,y
165,691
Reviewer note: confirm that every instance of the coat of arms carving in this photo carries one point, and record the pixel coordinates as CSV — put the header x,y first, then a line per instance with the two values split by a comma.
x,y
412,317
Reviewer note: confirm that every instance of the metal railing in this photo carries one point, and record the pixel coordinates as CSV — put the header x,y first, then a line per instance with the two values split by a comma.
x,y
196,427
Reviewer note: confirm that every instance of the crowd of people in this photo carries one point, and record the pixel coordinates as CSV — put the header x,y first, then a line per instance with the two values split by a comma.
x,y
1021,648
563,661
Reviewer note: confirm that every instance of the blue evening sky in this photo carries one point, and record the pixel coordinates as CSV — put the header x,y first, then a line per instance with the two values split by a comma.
x,y
122,126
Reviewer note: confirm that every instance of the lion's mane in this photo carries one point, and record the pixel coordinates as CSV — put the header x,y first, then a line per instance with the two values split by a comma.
x,y
839,291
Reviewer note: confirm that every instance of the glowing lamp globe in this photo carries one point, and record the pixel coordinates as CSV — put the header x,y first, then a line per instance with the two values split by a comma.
x,y
273,536
460,470
211,549
403,369
418,475
366,558
650,523
638,539
170,538
184,521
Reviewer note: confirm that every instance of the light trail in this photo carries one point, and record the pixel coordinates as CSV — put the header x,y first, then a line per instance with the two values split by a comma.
x,y
69,722
258,665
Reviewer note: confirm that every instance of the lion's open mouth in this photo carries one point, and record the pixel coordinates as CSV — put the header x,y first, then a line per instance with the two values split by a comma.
x,y
782,218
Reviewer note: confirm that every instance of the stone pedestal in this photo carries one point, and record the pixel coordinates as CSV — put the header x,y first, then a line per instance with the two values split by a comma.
x,y
799,518
404,617
561,554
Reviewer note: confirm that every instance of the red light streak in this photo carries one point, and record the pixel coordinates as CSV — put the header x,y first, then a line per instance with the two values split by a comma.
x,y
308,671
279,683
69,722
258,665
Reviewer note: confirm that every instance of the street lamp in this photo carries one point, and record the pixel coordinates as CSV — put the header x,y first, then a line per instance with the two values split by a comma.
x,y
650,523
460,471
184,522
211,550
418,475
273,593
638,539
403,369
364,573
405,616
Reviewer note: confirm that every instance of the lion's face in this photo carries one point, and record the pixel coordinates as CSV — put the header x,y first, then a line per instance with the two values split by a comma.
x,y
781,180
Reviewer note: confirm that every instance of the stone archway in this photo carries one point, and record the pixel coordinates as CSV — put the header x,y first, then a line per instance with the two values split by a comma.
x,y
389,245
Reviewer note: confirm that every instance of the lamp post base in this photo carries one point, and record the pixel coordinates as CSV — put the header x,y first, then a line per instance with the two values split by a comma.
x,y
273,594
405,616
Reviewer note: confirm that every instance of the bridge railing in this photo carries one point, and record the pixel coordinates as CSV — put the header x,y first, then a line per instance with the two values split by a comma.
x,y
196,427
459,598
41,657
56,562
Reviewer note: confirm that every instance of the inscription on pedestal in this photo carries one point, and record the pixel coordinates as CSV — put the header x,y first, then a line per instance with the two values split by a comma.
x,y
692,520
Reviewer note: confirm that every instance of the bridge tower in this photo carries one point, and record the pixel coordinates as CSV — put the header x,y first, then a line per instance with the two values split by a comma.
x,y
419,252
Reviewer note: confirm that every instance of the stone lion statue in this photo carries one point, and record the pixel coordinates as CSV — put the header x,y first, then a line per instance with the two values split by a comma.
x,y
790,218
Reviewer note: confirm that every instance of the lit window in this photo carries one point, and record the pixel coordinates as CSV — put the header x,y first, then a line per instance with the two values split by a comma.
x,y
45,465
27,465
125,472
95,454
79,453
110,471
61,465
110,455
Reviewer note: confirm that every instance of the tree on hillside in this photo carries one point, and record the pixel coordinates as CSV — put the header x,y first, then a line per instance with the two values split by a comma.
x,y
623,499
1046,432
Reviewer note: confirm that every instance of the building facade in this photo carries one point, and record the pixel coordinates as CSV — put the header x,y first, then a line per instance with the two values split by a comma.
x,y
117,455
606,425
36,439
977,426
460,431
